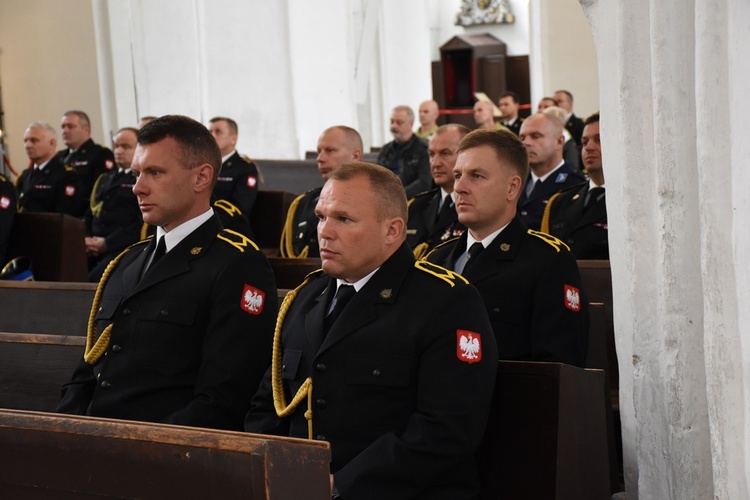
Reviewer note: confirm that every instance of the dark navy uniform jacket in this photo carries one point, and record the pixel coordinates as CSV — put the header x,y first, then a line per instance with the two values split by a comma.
x,y
301,227
585,233
191,339
55,188
8,200
532,292
531,208
238,183
89,161
427,228
401,402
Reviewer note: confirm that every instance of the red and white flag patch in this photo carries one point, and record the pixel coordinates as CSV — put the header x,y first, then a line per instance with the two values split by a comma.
x,y
468,346
251,181
252,300
572,298
70,190
4,202
109,164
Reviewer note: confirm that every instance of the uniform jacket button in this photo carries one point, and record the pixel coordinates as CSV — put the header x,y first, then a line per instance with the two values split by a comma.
x,y
321,367
322,403
320,437
125,312
165,312
105,384
116,348
376,373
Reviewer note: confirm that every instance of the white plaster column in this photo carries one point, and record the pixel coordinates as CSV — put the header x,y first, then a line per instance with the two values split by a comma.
x,y
673,77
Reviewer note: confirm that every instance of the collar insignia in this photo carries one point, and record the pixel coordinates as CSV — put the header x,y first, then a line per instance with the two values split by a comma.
x,y
386,293
196,250
505,247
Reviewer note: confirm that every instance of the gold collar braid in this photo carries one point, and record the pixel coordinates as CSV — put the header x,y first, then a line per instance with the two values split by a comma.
x,y
283,409
95,347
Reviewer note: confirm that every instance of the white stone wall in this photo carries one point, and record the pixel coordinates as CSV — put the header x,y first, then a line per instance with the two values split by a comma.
x,y
674,115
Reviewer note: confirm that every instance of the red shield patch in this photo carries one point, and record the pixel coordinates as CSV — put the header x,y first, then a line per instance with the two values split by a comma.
x,y
109,164
251,181
4,202
252,300
468,346
572,298
70,190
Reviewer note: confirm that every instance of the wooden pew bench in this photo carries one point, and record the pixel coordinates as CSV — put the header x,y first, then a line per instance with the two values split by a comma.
x,y
33,368
71,457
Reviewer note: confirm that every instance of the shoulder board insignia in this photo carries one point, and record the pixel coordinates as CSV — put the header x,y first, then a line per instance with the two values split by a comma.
x,y
549,239
314,274
68,168
561,177
228,207
237,240
445,243
444,274
246,158
2,178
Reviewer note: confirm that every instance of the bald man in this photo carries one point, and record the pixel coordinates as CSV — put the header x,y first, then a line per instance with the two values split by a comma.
x,y
542,135
428,115
336,145
484,116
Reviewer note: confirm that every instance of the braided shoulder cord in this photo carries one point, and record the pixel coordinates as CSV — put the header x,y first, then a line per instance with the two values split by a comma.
x,y
287,232
95,347
283,409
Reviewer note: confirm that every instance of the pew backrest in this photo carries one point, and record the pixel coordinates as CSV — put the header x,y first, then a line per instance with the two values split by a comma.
x,y
70,457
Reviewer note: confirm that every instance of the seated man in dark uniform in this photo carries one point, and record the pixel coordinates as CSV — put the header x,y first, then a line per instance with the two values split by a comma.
x,y
529,281
578,215
543,137
389,359
8,199
87,159
432,214
299,238
47,185
113,219
183,328
406,155
238,180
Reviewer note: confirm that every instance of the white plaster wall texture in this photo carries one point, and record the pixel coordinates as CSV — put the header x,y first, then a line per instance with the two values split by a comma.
x,y
669,114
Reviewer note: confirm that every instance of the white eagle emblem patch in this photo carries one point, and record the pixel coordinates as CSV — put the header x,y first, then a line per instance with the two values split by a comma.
x,y
468,346
70,190
4,202
252,300
572,298
251,181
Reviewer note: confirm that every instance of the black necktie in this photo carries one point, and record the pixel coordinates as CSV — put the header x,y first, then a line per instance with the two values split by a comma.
x,y
343,296
593,197
533,186
474,252
161,249
444,208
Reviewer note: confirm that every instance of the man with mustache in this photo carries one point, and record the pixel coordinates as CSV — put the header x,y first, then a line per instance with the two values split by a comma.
x,y
406,155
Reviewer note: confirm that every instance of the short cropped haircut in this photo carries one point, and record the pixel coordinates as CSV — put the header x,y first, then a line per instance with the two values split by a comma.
x,y
44,126
230,123
508,148
567,93
463,130
387,187
129,129
592,118
352,137
409,111
197,145
510,94
81,115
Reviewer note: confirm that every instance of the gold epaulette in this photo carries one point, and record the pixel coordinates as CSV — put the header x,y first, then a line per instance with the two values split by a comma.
x,y
450,277
230,208
96,208
414,198
247,158
442,244
549,239
237,240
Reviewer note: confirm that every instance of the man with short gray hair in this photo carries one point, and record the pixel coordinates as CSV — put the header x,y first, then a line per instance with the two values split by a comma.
x,y
406,155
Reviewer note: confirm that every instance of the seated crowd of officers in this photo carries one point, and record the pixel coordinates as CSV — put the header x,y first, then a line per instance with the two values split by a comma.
x,y
499,208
